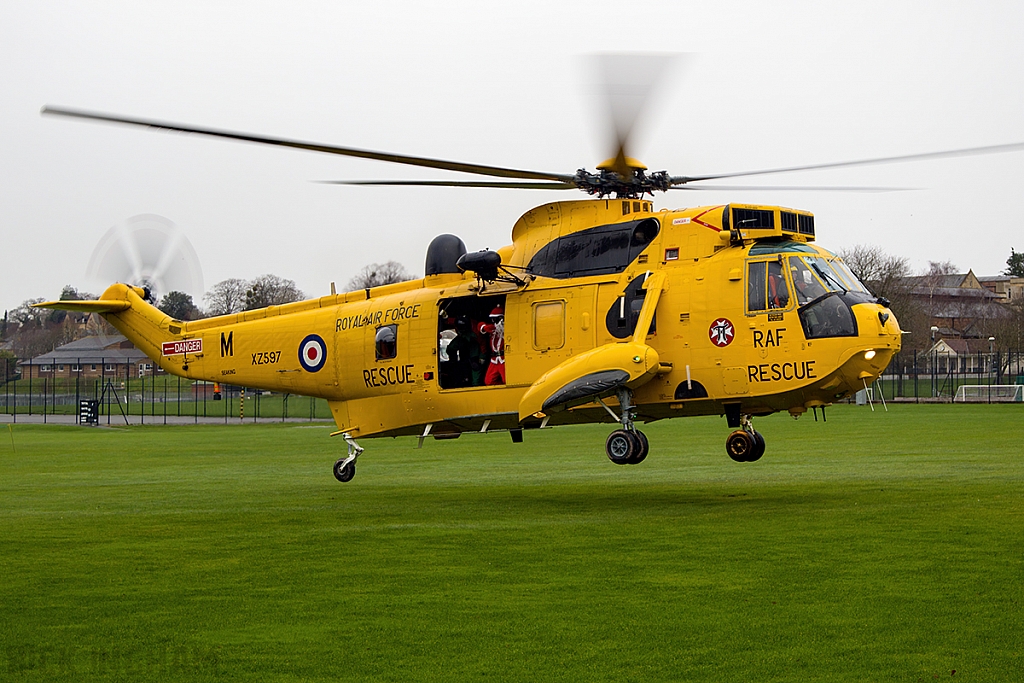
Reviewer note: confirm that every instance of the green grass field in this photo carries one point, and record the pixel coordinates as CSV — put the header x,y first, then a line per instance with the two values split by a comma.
x,y
874,547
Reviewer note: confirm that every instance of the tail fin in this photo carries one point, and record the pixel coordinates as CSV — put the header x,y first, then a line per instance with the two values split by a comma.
x,y
97,306
143,324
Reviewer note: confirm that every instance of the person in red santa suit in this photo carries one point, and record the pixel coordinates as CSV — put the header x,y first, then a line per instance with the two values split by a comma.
x,y
495,330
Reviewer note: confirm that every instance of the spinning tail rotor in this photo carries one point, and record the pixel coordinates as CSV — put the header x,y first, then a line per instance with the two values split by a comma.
x,y
147,251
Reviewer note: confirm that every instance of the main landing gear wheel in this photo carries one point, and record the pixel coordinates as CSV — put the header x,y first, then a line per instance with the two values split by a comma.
x,y
645,447
740,445
622,447
758,447
744,446
626,447
344,470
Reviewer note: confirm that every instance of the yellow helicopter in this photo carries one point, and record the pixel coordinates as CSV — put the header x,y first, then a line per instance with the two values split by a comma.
x,y
601,310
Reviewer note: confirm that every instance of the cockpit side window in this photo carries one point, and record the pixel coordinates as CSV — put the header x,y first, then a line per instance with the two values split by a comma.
x,y
756,288
778,290
766,286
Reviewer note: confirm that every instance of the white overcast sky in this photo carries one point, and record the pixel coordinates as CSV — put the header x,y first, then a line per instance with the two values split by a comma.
x,y
774,84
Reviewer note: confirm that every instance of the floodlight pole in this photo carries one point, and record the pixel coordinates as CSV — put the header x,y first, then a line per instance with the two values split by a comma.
x,y
991,342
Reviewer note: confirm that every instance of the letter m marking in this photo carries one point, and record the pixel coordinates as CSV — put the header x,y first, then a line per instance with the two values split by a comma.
x,y
227,345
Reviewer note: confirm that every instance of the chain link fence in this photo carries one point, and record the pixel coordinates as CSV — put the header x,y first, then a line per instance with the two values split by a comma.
x,y
920,376
141,393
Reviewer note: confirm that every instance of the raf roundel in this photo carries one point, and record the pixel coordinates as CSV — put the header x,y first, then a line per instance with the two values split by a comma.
x,y
312,353
721,332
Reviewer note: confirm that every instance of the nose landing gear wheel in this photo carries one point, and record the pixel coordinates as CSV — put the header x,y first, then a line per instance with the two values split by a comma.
x,y
344,470
621,447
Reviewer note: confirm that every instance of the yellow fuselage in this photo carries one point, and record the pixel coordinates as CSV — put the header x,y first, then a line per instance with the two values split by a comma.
x,y
765,364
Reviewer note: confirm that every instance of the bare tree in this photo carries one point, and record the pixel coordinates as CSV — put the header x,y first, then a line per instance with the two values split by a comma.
x,y
884,274
271,290
377,274
227,296
939,268
35,334
1009,330
8,366
26,315
889,276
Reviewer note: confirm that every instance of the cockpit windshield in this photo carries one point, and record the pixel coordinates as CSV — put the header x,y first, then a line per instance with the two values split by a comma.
x,y
815,275
847,275
807,284
824,271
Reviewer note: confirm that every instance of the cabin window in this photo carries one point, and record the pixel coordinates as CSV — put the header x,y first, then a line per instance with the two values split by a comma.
x,y
386,342
109,368
45,368
76,368
602,250
548,325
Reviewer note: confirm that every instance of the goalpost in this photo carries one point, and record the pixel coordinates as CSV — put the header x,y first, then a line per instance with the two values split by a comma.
x,y
985,393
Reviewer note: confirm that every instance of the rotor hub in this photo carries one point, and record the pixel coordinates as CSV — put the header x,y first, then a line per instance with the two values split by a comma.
x,y
607,182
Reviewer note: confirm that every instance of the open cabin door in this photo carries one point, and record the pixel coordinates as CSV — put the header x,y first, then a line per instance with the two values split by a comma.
x,y
471,342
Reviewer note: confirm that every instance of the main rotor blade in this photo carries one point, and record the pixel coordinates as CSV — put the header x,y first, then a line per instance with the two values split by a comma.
x,y
455,183
442,164
966,152
783,188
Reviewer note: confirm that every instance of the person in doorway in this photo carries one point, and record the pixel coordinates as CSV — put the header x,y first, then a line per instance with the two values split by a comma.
x,y
464,354
495,330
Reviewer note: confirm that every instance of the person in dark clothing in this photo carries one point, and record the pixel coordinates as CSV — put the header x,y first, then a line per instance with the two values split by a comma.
x,y
468,364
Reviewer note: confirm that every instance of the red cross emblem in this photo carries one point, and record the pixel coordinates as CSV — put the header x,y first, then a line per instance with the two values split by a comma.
x,y
721,332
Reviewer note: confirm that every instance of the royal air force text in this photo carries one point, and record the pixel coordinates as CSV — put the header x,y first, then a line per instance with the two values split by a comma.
x,y
375,318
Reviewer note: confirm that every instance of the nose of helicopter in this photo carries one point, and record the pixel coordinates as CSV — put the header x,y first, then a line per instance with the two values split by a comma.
x,y
879,338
